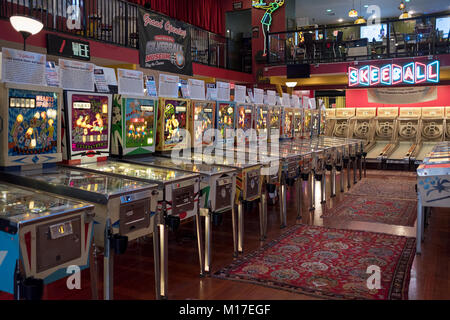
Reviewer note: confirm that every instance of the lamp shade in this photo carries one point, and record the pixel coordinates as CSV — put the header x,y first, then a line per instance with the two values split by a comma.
x,y
404,15
26,24
353,13
291,84
360,20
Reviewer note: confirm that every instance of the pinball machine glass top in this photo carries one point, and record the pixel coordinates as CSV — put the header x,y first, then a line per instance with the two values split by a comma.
x,y
33,123
186,165
86,181
135,171
21,205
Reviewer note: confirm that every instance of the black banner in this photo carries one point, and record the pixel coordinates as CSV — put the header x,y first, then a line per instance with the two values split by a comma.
x,y
164,43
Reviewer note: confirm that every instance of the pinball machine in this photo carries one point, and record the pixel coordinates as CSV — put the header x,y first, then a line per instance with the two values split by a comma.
x,y
432,131
274,123
287,128
385,125
175,193
226,122
203,118
29,139
217,192
248,189
408,138
173,124
43,236
133,125
298,122
262,121
245,122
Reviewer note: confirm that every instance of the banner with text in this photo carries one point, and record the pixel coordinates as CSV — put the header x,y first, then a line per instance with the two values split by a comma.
x,y
402,95
165,43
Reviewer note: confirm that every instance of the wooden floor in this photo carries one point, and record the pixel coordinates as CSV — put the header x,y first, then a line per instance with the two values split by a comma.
x,y
134,277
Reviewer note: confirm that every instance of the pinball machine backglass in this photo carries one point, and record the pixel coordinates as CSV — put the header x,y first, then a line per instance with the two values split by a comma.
x,y
133,125
173,116
31,122
87,126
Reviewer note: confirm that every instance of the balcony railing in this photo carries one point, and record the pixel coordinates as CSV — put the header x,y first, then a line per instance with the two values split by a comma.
x,y
115,22
418,36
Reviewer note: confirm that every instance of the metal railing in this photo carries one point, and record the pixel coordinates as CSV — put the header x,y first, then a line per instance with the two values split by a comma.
x,y
418,36
115,22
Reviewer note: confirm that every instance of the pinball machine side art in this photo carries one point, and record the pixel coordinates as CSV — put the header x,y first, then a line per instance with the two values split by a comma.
x,y
86,127
133,125
203,118
173,116
30,125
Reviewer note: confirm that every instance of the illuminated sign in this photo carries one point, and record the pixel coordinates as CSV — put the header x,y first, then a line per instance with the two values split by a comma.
x,y
394,74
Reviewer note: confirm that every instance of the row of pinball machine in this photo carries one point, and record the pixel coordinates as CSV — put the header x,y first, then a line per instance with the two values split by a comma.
x,y
392,135
86,172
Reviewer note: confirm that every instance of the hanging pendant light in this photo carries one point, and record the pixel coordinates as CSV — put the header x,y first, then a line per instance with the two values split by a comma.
x,y
404,15
360,20
353,13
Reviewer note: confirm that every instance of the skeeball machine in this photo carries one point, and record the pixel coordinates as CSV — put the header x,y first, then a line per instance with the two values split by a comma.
x,y
29,140
408,138
432,131
177,192
385,125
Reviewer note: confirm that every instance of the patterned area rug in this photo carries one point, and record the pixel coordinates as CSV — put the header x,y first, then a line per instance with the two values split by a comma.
x,y
329,263
375,209
386,187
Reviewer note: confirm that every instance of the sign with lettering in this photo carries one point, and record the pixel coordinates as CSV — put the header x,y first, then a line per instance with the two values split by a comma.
x,y
393,74
165,44
69,48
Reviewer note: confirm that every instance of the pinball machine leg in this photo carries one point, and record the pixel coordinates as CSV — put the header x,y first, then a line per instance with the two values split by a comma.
x,y
208,243
93,271
240,229
156,256
323,187
365,167
264,205
298,197
261,219
348,175
312,193
341,180
419,226
164,243
235,236
108,264
283,217
333,182
201,256
355,168
360,167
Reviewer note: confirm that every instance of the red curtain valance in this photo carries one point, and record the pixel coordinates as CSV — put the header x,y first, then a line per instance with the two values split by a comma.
x,y
206,14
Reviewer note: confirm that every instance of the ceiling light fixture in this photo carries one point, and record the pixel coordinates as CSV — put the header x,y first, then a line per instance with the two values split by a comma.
x,y
353,13
291,84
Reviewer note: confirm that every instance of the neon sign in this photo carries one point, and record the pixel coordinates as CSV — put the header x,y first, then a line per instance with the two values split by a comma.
x,y
266,20
394,74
